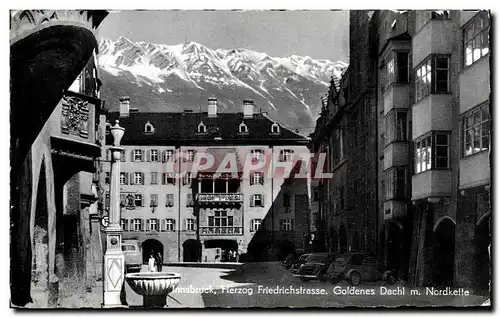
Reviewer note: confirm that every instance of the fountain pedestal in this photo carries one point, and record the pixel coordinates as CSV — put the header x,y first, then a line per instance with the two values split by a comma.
x,y
153,286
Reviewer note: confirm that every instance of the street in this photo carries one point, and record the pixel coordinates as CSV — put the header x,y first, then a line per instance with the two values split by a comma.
x,y
216,287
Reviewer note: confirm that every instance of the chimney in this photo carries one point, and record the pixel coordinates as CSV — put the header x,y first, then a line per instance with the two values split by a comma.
x,y
247,108
212,107
124,106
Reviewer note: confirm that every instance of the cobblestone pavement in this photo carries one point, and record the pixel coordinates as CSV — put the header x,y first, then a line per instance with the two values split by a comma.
x,y
258,286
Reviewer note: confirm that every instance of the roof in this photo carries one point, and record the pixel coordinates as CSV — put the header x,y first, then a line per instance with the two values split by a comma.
x,y
405,36
182,128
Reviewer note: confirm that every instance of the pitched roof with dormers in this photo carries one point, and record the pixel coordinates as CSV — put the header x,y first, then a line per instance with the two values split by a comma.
x,y
182,129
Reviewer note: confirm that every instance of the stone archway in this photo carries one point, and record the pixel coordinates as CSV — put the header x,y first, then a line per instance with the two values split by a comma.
x,y
151,246
334,241
285,248
191,250
444,252
342,239
482,260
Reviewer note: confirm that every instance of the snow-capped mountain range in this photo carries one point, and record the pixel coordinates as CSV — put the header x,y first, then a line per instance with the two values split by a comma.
x,y
160,77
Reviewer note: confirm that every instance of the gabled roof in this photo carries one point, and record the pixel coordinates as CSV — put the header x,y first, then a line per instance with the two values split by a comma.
x,y
180,128
405,36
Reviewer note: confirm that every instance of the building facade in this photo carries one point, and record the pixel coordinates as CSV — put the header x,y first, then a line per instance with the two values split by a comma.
x,y
177,202
431,72
53,137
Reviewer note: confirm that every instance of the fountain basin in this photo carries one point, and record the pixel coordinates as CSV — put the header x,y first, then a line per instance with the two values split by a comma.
x,y
153,286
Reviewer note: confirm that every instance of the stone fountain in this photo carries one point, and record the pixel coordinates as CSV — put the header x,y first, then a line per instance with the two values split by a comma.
x,y
153,286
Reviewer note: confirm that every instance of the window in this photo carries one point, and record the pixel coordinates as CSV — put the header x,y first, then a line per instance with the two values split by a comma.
x,y
168,178
476,38
396,183
123,178
432,152
168,155
124,224
220,219
257,178
286,200
137,224
476,130
315,194
189,200
137,155
202,128
396,126
190,155
257,155
257,200
153,155
107,177
243,129
138,178
148,128
153,202
170,225
398,68
169,200
190,224
138,199
338,146
154,225
255,225
285,155
432,76
286,225
154,177
275,129
187,178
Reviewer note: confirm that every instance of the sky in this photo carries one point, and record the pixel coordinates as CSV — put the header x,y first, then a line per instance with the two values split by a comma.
x,y
320,34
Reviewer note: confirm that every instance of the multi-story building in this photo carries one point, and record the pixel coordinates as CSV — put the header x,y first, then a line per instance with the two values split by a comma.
x,y
53,137
346,133
432,137
179,204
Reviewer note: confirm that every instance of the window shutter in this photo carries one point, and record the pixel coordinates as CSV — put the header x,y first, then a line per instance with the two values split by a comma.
x,y
148,224
252,197
126,225
251,225
282,226
126,177
261,179
142,224
185,225
143,177
132,155
252,179
262,200
163,155
162,224
148,155
143,155
132,178
143,198
174,178
163,178
291,222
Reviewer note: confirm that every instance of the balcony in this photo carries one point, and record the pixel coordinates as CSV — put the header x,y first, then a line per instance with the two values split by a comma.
x,y
221,230
219,198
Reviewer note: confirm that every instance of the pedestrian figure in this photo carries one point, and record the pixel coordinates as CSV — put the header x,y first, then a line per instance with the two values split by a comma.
x,y
159,261
151,263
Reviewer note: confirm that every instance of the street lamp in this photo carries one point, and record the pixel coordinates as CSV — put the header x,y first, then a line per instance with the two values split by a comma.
x,y
114,260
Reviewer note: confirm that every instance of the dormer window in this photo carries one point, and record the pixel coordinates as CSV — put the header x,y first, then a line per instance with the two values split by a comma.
x,y
148,128
243,129
275,129
202,129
